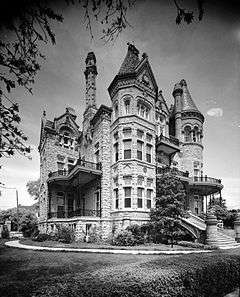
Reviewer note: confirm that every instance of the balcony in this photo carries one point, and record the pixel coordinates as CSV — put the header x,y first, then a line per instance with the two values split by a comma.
x,y
167,145
183,175
84,171
74,213
205,185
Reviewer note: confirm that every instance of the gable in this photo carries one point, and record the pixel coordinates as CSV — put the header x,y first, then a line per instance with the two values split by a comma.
x,y
145,75
66,120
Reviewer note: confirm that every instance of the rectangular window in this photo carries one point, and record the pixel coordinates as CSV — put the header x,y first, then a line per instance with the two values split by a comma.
x,y
60,166
139,197
139,149
127,132
116,152
148,153
116,198
149,198
127,149
140,134
127,197
148,137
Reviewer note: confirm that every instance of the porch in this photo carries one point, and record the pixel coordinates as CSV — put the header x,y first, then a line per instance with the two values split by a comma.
x,y
76,192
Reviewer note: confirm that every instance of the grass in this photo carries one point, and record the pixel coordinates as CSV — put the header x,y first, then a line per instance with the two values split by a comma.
x,y
84,245
59,274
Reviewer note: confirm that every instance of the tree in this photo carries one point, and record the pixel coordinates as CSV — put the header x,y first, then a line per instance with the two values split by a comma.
x,y
166,216
28,224
33,188
28,22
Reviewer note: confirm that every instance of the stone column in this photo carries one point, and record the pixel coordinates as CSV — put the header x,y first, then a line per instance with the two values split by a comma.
x,y
211,229
177,94
237,228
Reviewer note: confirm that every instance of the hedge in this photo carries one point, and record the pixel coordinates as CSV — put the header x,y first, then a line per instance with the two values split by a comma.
x,y
202,275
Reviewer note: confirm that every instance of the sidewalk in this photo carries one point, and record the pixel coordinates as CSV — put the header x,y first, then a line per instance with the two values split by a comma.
x,y
16,244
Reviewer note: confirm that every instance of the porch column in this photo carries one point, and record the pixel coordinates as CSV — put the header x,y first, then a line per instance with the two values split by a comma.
x,y
65,205
220,197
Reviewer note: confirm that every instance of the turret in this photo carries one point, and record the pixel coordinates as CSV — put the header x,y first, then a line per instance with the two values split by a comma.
x,y
177,94
192,133
90,75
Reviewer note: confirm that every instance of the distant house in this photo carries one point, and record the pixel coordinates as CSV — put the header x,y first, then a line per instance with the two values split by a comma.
x,y
103,176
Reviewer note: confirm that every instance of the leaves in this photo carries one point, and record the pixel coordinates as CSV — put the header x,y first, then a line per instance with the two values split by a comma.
x,y
33,188
169,206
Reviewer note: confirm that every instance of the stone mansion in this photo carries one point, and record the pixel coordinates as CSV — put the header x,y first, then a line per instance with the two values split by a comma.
x,y
103,176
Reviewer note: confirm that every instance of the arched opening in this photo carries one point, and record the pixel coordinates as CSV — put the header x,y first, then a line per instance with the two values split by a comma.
x,y
187,134
127,106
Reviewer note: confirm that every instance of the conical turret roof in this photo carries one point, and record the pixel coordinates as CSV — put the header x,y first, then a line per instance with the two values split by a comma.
x,y
187,101
131,60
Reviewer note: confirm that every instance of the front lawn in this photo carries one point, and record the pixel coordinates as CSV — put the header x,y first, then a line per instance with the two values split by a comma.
x,y
84,245
59,274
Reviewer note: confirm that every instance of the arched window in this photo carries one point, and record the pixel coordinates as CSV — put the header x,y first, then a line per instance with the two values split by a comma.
x,y
127,106
187,134
195,134
116,111
143,110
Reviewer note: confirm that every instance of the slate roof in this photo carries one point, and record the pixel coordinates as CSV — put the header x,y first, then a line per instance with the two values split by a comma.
x,y
131,60
187,101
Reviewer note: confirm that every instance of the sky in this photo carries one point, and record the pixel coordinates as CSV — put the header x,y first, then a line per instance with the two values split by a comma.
x,y
206,54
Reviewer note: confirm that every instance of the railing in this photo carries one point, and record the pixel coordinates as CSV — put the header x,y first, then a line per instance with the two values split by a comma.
x,y
88,164
58,173
171,140
75,213
206,178
80,162
164,170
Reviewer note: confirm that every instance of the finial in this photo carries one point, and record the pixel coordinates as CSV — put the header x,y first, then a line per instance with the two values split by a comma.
x,y
44,113
144,56
183,83
177,90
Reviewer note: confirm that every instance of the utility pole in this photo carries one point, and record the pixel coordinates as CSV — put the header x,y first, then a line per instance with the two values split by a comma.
x,y
17,210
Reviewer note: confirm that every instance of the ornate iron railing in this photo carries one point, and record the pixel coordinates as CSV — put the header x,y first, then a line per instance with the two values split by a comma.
x,y
171,140
75,213
206,178
80,162
164,170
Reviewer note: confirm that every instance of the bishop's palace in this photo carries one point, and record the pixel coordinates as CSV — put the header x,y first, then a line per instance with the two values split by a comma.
x,y
103,176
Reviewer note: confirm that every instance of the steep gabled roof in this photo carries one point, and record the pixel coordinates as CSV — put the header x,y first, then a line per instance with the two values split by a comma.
x,y
131,60
187,101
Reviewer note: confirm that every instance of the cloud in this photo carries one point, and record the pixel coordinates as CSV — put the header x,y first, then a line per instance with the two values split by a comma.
x,y
215,112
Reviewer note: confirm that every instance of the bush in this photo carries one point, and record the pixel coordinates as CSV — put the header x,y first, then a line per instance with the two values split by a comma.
x,y
65,234
35,233
41,237
202,275
28,225
138,233
197,245
124,238
5,232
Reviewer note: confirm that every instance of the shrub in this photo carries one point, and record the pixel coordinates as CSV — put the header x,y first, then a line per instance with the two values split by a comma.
x,y
138,233
35,233
197,245
28,224
5,232
65,234
124,238
41,237
202,275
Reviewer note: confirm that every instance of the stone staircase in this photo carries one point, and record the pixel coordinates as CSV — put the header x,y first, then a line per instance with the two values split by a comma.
x,y
195,221
223,241
216,237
